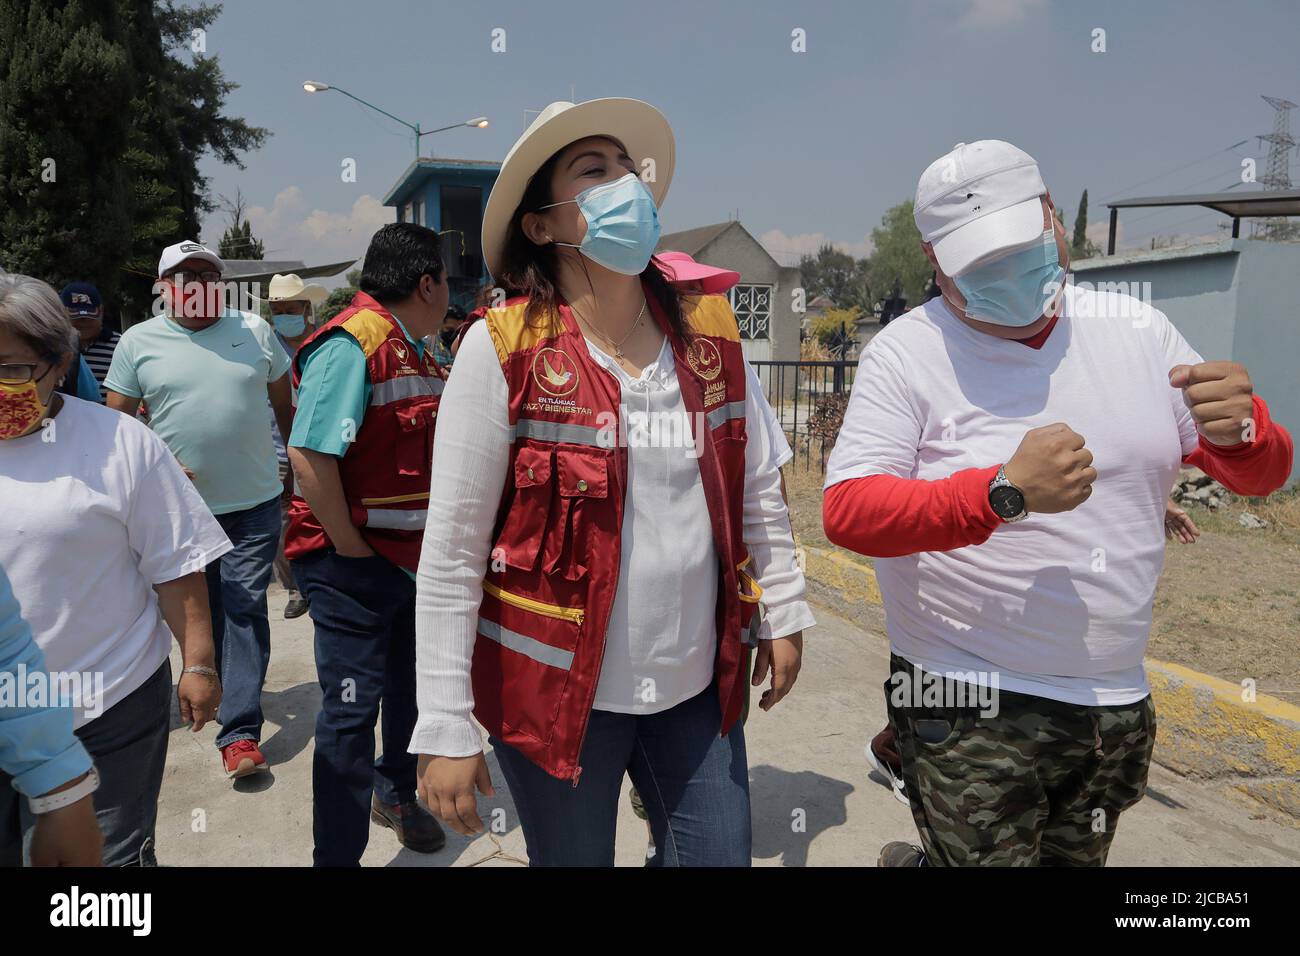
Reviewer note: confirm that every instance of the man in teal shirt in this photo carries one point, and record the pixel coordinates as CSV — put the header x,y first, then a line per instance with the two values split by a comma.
x,y
206,372
363,602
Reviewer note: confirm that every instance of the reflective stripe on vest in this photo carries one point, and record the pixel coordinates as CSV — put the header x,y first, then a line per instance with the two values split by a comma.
x,y
525,645
725,413
560,431
396,520
408,386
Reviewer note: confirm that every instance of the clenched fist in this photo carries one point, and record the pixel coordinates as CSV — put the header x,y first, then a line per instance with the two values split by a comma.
x,y
1218,394
1053,469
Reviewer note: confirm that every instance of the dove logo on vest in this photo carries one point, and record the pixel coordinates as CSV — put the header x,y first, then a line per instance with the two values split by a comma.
x,y
555,373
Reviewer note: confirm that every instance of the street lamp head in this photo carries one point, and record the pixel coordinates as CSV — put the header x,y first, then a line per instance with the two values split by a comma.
x,y
480,121
311,86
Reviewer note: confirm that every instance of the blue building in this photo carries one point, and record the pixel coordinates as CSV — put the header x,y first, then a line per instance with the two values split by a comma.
x,y
450,196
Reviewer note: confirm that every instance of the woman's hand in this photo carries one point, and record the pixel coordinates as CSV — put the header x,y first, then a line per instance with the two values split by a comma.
x,y
447,785
1179,524
781,656
197,698
68,836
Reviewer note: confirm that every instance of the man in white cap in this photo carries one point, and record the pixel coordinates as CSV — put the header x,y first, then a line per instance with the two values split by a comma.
x,y
293,306
206,372
1005,456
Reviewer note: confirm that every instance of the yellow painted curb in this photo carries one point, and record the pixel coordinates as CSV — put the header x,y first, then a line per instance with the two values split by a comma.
x,y
855,581
1205,727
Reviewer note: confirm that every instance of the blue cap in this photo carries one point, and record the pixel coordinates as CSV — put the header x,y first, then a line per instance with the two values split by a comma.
x,y
81,298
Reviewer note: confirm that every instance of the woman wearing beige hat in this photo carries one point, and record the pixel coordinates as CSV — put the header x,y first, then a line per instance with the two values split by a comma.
x,y
608,520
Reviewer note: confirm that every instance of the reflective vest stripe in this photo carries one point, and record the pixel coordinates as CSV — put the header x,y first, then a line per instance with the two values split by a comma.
x,y
527,646
408,386
396,520
560,431
725,413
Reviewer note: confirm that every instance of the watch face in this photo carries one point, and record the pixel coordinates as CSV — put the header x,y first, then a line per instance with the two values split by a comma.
x,y
1007,502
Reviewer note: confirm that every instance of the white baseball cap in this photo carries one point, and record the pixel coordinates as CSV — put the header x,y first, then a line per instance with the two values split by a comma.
x,y
173,256
979,199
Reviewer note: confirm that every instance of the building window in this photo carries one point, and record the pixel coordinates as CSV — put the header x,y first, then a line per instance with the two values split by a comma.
x,y
753,307
417,213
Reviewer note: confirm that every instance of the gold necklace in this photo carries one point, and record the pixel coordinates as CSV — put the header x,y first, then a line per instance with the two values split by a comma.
x,y
618,346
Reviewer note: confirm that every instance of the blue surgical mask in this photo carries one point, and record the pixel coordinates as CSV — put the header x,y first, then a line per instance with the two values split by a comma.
x,y
622,224
289,325
1014,290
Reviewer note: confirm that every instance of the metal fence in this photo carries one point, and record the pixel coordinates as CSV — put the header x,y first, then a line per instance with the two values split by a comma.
x,y
808,398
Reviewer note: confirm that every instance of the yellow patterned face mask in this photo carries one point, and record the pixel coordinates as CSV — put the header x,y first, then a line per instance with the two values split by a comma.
x,y
20,408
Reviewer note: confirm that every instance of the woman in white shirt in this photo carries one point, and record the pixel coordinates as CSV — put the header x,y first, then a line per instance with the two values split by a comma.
x,y
104,542
569,233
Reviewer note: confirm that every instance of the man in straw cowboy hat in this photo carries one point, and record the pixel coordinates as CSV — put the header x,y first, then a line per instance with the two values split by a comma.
x,y
293,307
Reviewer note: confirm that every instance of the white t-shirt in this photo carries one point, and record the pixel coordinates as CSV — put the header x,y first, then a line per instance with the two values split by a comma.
x,y
660,641
97,511
1059,606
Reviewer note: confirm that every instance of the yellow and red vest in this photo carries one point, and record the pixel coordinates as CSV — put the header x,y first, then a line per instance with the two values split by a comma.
x,y
554,566
385,471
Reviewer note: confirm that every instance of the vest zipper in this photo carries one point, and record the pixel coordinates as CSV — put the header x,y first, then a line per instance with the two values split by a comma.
x,y
621,474
574,614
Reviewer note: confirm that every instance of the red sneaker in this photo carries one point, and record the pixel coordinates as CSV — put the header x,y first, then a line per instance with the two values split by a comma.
x,y
242,758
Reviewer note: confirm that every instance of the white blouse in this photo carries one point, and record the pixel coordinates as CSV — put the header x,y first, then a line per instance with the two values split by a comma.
x,y
660,642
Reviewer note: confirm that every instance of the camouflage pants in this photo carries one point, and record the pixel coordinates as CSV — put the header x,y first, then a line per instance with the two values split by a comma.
x,y
1041,783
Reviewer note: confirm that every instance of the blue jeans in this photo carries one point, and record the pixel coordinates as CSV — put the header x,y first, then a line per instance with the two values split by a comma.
x,y
364,613
241,633
128,743
693,782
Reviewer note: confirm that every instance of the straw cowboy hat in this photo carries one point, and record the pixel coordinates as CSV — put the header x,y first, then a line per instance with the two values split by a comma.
x,y
642,129
290,288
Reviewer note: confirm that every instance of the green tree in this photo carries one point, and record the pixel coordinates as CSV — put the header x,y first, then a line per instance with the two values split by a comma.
x,y
1080,246
106,109
897,259
340,298
238,242
830,273
65,201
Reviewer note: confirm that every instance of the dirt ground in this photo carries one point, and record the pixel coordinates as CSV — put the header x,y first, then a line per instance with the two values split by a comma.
x,y
1228,605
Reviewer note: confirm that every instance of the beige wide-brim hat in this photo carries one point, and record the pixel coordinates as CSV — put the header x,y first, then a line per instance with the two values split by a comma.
x,y
290,288
642,129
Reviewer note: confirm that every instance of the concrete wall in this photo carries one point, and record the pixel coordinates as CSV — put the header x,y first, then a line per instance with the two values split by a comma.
x,y
1233,299
735,249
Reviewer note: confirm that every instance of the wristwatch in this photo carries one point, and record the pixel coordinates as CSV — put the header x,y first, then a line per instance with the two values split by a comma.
x,y
65,798
1006,500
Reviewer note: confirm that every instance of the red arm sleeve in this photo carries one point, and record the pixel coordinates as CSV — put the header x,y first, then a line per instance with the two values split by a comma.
x,y
885,516
1255,468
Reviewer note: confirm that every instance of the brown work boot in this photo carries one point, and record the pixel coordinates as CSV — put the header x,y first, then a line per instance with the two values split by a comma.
x,y
415,827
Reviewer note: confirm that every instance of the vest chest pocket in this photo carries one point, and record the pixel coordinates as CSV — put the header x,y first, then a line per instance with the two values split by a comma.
x,y
582,475
521,535
415,438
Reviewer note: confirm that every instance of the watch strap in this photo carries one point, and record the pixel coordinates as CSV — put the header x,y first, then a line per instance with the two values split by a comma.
x,y
65,798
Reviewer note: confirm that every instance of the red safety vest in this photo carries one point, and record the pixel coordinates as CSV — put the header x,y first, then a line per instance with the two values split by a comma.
x,y
553,570
385,471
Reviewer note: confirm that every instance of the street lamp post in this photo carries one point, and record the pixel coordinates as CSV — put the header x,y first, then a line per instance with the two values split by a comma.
x,y
479,122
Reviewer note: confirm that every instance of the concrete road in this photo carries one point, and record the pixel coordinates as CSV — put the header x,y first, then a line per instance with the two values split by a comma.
x,y
814,802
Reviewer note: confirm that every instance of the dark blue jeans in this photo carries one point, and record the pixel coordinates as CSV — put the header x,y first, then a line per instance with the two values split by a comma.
x,y
128,743
364,612
693,782
241,633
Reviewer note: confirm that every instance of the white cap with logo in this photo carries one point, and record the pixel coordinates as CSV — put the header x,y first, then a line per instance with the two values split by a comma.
x,y
980,199
173,256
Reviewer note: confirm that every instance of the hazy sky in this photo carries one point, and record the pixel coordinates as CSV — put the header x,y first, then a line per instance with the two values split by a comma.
x,y
808,147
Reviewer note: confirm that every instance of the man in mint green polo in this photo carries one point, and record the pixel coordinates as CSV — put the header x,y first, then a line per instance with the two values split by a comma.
x,y
206,372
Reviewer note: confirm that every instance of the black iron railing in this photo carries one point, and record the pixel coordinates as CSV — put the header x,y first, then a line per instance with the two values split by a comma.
x,y
809,399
